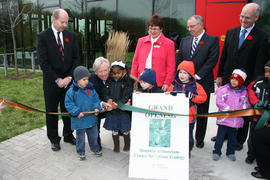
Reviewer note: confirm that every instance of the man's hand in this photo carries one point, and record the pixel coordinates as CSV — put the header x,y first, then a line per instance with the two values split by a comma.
x,y
66,81
219,81
135,85
128,103
114,105
165,87
106,106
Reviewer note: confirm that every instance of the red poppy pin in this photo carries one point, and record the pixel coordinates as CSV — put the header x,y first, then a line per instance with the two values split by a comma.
x,y
249,37
201,43
88,91
67,40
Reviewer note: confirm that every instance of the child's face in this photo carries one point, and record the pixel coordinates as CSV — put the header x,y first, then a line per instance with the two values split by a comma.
x,y
234,83
183,76
117,72
267,73
145,85
82,83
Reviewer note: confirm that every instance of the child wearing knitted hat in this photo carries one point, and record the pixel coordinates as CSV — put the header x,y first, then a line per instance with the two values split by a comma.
x,y
80,98
148,82
231,96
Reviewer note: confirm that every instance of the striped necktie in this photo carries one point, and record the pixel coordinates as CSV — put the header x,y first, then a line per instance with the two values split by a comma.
x,y
60,46
194,45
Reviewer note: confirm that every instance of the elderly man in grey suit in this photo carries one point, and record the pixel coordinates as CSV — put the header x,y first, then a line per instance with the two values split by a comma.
x,y
203,50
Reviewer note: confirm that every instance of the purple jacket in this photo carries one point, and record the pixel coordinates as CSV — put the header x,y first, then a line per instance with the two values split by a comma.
x,y
227,99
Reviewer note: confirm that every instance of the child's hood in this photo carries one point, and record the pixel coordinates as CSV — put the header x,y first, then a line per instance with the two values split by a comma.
x,y
187,66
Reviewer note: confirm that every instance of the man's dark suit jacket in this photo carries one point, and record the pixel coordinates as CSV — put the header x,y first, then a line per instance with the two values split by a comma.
x,y
205,58
100,87
49,56
251,56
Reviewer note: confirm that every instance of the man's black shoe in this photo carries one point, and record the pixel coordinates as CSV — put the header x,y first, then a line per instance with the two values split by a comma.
x,y
258,175
55,146
200,144
71,141
214,138
257,168
239,147
249,160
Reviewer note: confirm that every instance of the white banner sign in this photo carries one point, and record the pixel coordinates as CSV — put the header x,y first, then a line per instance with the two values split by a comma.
x,y
160,143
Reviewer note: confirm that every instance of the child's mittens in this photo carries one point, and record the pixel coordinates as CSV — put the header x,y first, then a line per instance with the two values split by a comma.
x,y
174,93
189,95
261,105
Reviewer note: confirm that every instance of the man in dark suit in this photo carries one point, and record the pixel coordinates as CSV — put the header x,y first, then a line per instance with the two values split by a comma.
x,y
245,47
203,50
58,55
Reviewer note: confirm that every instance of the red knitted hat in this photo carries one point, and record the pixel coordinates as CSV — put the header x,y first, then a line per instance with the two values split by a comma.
x,y
240,75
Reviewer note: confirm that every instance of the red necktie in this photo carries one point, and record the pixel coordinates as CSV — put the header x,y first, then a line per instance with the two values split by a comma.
x,y
60,46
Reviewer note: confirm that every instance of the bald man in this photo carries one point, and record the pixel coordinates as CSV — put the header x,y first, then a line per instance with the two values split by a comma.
x,y
58,55
245,47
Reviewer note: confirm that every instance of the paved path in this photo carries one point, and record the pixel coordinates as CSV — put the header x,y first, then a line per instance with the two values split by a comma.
x,y
29,156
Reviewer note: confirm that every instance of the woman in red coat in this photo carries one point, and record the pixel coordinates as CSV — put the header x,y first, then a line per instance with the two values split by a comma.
x,y
155,51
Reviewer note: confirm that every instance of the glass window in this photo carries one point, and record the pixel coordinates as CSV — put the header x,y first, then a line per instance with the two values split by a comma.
x,y
48,3
133,17
175,14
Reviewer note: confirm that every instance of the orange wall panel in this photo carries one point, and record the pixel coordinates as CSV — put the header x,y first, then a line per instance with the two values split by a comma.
x,y
219,16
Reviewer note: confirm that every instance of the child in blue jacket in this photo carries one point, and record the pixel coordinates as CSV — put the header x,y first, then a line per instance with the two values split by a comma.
x,y
82,97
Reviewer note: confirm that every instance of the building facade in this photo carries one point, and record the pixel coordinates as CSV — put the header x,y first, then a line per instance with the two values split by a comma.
x,y
91,20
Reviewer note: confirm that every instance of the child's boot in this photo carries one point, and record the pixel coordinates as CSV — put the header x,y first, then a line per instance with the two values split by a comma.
x,y
127,142
116,143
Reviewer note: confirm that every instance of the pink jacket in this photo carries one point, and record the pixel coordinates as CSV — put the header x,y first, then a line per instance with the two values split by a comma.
x,y
163,59
227,100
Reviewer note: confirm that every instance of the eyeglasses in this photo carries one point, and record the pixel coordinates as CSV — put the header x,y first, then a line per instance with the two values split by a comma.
x,y
153,28
192,26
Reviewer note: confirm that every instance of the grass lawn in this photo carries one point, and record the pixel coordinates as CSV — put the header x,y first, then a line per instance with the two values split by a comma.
x,y
28,91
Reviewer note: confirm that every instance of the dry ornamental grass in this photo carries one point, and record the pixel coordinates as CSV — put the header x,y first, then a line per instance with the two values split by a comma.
x,y
117,46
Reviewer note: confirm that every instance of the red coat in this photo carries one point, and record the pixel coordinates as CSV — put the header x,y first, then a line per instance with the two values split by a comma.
x,y
163,59
199,94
